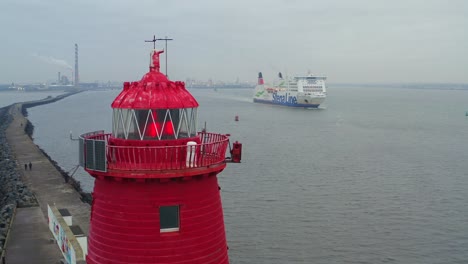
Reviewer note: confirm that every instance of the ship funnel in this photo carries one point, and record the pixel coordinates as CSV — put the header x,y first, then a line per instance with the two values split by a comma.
x,y
260,78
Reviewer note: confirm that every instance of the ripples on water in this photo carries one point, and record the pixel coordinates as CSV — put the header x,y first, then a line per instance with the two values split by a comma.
x,y
375,176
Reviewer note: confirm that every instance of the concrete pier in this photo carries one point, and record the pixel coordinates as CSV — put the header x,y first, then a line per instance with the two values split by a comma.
x,y
30,240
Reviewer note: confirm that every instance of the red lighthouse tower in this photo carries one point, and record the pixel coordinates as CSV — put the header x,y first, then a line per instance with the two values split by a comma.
x,y
156,197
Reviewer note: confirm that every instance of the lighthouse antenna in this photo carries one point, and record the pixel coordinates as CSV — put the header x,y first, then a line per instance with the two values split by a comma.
x,y
154,46
153,40
165,39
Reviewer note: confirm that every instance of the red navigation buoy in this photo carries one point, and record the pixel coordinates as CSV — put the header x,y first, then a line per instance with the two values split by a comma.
x,y
156,197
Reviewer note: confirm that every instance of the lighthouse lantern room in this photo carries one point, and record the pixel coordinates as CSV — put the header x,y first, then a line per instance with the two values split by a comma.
x,y
156,197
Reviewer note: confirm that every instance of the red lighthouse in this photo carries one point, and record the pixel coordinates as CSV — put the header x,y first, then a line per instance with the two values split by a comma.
x,y
156,197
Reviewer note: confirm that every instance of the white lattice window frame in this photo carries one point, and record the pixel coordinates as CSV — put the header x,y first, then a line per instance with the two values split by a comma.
x,y
127,118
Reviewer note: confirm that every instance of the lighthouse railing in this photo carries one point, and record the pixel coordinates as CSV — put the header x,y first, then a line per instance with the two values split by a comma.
x,y
209,149
92,149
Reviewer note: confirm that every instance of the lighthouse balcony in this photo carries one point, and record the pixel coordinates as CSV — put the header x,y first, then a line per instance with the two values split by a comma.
x,y
103,155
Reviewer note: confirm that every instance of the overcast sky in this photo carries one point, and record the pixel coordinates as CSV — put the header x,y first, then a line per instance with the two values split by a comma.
x,y
346,40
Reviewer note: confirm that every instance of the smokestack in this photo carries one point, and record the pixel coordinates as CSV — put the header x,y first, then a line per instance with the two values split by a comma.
x,y
77,81
260,78
58,81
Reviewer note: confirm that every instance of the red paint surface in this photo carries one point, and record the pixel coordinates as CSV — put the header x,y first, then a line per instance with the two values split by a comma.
x,y
260,79
125,222
154,91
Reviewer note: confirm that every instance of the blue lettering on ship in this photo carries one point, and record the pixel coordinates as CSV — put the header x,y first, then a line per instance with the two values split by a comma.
x,y
284,99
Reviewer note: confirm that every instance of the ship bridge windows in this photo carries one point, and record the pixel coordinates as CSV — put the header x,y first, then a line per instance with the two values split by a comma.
x,y
154,124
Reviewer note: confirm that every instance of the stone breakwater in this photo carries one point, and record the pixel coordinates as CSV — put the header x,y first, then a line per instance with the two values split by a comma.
x,y
29,129
13,192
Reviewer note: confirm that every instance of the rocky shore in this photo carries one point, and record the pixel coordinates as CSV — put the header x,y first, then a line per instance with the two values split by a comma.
x,y
13,192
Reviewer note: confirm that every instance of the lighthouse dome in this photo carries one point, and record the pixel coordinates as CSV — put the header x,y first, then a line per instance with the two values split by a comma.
x,y
154,91
154,107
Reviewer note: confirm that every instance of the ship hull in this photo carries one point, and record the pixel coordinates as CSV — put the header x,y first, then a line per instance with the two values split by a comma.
x,y
308,105
290,99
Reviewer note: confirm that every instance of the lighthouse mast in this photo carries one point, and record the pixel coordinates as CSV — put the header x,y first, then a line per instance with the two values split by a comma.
x,y
156,197
154,46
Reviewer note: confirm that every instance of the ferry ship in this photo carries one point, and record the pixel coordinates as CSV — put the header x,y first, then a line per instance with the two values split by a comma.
x,y
300,91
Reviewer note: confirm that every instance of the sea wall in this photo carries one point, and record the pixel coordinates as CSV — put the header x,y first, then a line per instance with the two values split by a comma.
x,y
13,192
85,197
29,130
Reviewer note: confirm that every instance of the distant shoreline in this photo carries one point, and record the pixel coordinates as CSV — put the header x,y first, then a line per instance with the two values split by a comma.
x,y
422,86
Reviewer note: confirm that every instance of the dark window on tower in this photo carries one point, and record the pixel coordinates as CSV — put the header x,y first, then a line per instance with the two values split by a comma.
x,y
169,218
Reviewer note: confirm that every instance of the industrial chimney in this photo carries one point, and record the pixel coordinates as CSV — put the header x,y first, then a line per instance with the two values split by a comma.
x,y
77,81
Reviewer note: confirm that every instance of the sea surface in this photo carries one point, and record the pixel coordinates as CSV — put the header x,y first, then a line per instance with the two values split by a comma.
x,y
376,175
11,97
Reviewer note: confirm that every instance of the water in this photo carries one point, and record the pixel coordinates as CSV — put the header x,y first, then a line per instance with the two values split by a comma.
x,y
11,97
378,175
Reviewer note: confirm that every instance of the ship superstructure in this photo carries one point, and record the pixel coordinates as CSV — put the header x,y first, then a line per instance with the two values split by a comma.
x,y
300,91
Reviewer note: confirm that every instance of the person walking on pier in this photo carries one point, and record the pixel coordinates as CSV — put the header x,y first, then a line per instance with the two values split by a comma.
x,y
25,166
30,166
